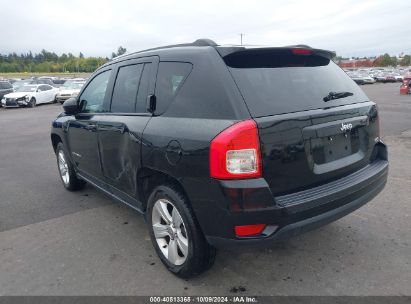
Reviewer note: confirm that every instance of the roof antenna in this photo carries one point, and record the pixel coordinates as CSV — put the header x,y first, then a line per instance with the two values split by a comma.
x,y
241,38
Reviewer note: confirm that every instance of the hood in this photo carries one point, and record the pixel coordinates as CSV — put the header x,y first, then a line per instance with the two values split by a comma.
x,y
17,94
69,91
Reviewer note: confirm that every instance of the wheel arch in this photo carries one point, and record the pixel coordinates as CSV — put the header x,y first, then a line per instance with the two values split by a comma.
x,y
148,179
55,140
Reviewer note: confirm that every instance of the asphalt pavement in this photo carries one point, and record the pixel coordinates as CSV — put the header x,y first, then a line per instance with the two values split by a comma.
x,y
55,242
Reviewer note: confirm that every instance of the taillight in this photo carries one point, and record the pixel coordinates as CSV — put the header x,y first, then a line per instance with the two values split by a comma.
x,y
301,51
235,152
249,230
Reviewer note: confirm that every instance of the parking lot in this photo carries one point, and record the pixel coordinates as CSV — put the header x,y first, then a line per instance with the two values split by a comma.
x,y
53,242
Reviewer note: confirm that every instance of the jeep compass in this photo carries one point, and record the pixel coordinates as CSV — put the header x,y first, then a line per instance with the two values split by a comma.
x,y
223,145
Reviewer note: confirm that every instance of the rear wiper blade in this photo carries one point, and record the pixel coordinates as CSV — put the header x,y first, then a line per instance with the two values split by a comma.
x,y
337,95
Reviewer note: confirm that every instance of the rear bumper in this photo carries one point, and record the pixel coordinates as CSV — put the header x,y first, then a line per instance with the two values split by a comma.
x,y
306,210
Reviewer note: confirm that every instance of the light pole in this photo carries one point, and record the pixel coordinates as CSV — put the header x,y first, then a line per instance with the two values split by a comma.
x,y
241,38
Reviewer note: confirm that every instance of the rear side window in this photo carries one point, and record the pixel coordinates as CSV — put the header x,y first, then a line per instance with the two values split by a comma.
x,y
125,89
170,78
277,82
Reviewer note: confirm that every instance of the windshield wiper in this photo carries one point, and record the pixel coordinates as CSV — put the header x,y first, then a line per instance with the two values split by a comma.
x,y
337,95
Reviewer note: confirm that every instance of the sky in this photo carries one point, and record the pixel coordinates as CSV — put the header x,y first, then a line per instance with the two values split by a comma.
x,y
97,28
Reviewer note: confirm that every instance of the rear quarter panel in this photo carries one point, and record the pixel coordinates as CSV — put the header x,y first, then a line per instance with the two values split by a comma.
x,y
179,147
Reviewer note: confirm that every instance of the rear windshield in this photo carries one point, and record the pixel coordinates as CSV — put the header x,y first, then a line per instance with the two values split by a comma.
x,y
277,82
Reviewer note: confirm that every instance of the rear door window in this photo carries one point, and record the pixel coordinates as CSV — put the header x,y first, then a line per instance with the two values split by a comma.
x,y
126,88
277,82
142,94
170,78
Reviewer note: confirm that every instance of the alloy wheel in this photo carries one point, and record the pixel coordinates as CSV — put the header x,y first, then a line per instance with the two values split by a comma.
x,y
170,231
63,168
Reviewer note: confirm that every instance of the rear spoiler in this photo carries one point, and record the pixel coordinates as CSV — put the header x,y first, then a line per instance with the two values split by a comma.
x,y
298,49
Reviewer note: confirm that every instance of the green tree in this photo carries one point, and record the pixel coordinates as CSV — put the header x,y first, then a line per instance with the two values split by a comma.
x,y
405,61
121,51
386,60
46,61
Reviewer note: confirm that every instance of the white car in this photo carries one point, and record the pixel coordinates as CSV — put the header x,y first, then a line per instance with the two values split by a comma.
x,y
398,77
367,79
68,90
361,79
30,96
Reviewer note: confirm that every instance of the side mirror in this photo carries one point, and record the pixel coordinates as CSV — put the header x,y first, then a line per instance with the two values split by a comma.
x,y
38,90
70,106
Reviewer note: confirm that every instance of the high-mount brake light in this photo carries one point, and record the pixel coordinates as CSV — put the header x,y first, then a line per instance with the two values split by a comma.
x,y
235,152
301,51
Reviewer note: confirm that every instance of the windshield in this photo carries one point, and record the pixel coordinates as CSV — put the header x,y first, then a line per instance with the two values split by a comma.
x,y
19,83
27,88
278,83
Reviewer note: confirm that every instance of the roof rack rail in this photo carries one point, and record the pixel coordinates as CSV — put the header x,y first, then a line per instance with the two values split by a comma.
x,y
198,42
204,42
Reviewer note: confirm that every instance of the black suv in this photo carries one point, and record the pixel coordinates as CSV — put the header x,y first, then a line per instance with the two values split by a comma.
x,y
223,146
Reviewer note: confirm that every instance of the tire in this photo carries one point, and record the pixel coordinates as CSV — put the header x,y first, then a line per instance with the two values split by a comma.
x,y
66,171
198,255
54,100
32,103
